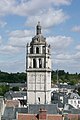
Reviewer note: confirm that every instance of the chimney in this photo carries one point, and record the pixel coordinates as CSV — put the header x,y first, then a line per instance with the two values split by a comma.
x,y
42,114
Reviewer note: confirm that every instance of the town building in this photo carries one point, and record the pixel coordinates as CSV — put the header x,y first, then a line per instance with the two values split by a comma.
x,y
39,105
38,67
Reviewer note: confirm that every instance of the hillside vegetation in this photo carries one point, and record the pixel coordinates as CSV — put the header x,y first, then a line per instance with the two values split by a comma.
x,y
21,77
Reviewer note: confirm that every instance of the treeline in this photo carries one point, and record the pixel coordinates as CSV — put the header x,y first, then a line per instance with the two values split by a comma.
x,y
56,76
12,77
65,77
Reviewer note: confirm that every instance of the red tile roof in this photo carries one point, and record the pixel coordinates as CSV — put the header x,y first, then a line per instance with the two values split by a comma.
x,y
27,117
49,117
33,117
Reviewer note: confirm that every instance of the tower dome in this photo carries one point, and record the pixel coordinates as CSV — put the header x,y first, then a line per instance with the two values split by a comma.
x,y
38,38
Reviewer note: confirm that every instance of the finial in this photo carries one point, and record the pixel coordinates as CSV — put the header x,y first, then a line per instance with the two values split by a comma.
x,y
38,28
39,23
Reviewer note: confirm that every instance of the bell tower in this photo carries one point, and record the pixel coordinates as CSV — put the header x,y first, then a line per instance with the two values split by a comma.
x,y
38,67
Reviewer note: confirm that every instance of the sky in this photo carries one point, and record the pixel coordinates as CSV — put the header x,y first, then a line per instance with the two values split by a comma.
x,y
60,21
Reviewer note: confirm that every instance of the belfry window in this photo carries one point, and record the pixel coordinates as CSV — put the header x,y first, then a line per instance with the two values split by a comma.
x,y
43,49
31,50
40,63
37,50
34,63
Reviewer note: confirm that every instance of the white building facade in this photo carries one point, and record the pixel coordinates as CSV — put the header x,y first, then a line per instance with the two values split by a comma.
x,y
38,67
74,100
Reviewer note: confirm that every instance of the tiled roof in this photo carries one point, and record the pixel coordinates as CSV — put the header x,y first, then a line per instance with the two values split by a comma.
x,y
33,117
27,117
49,117
12,103
54,117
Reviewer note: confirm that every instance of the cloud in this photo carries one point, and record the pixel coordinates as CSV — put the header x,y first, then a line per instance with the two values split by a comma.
x,y
61,2
76,29
28,7
59,42
19,38
67,61
48,18
6,7
77,56
8,49
0,40
2,23
21,33
19,42
13,65
63,56
78,47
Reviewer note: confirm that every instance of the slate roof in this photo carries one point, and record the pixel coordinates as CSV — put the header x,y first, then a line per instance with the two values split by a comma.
x,y
75,111
14,84
66,86
11,94
74,95
51,108
9,113
21,110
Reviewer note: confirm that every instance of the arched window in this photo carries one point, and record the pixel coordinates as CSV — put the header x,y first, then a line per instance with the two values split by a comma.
x,y
43,49
40,63
37,50
31,50
34,63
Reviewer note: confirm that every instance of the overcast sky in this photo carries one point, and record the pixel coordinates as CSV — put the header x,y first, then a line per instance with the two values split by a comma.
x,y
60,21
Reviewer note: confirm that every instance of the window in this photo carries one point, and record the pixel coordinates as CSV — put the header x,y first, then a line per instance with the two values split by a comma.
x,y
40,63
71,102
79,102
75,102
34,63
31,49
37,50
43,49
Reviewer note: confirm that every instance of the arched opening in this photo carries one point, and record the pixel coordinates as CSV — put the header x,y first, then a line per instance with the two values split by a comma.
x,y
43,49
40,63
31,50
37,50
34,63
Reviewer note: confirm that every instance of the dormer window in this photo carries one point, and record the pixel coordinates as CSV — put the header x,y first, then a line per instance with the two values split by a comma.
x,y
75,97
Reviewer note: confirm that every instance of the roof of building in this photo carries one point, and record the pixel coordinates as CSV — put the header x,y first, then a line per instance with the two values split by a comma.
x,y
38,38
74,95
33,117
51,108
23,110
9,113
12,103
66,86
15,94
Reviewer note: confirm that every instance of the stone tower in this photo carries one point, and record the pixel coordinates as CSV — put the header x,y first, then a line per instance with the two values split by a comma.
x,y
38,67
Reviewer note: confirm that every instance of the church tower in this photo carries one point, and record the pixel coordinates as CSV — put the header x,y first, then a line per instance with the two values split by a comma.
x,y
38,67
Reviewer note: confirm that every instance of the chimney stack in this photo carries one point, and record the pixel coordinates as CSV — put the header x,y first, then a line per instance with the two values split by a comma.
x,y
42,114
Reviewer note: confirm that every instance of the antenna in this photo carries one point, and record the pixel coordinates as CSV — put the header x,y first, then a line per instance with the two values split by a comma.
x,y
57,77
